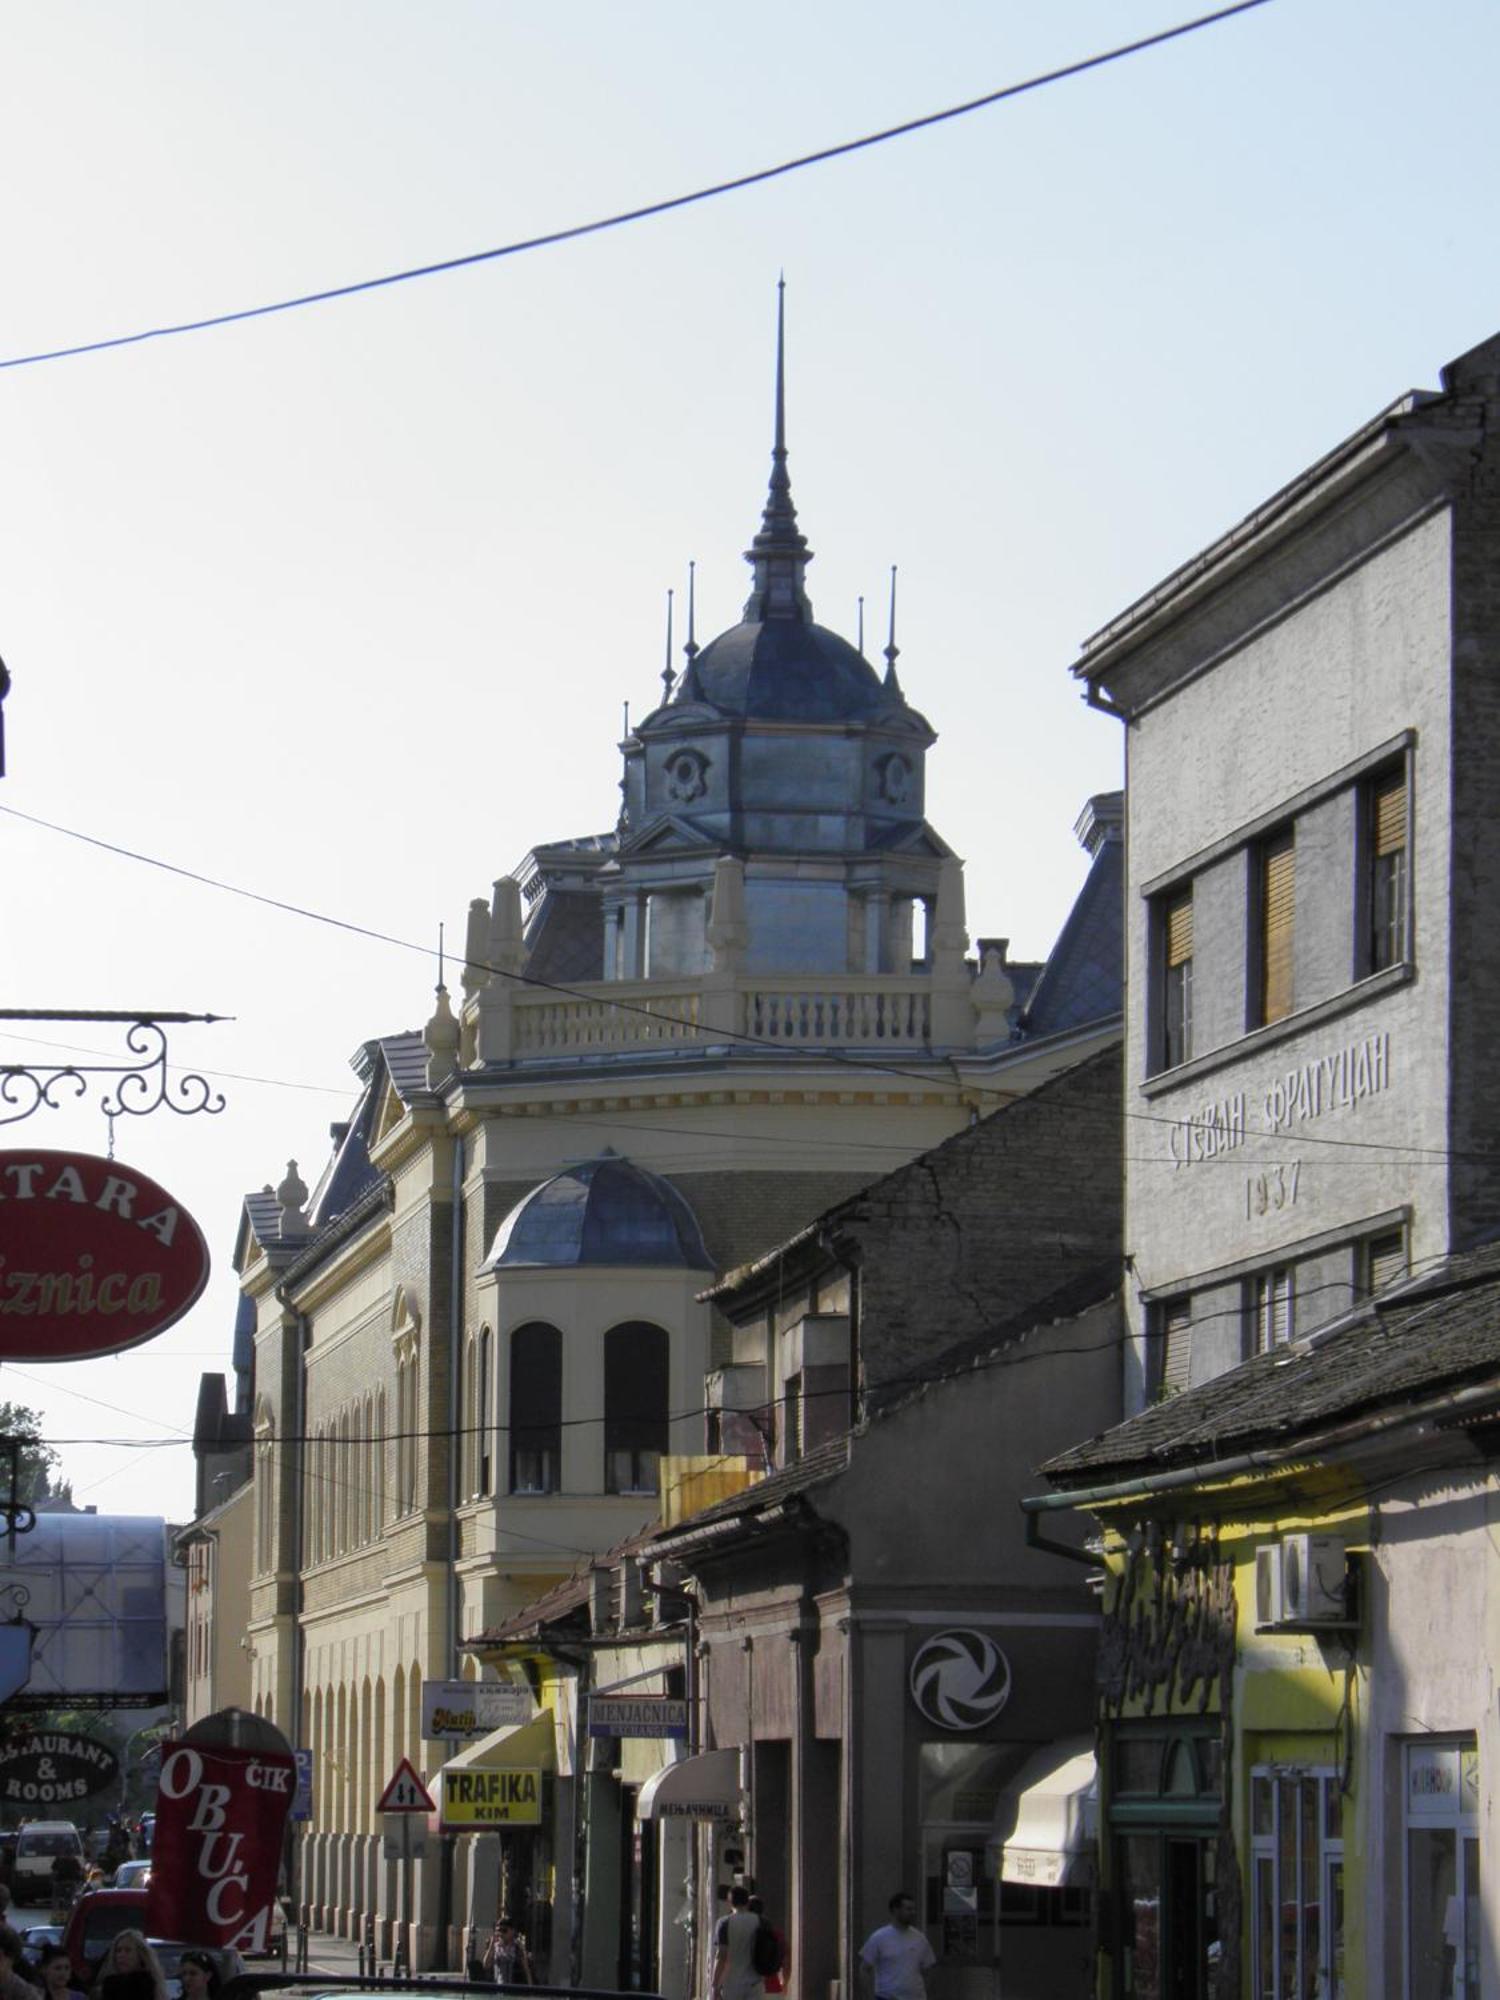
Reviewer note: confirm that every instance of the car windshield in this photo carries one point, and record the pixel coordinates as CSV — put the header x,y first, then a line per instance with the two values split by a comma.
x,y
105,1922
48,1843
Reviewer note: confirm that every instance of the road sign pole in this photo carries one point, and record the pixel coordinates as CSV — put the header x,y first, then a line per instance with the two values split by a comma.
x,y
406,1903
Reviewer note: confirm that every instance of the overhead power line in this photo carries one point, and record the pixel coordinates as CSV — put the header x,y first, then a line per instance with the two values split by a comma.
x,y
623,216
964,1089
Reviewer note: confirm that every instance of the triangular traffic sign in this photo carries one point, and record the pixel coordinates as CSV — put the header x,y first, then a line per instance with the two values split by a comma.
x,y
406,1792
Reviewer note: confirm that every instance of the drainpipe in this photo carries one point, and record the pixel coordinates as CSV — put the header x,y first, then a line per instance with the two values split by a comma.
x,y
455,1414
293,1837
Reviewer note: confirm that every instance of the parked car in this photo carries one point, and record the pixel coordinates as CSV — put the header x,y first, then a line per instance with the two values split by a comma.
x,y
99,1916
131,1875
38,1845
36,1938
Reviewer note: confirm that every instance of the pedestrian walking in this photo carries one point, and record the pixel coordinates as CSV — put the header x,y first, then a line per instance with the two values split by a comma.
x,y
734,1972
894,1960
506,1959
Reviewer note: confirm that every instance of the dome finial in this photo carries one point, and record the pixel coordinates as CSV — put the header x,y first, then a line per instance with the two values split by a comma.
x,y
892,685
668,672
779,554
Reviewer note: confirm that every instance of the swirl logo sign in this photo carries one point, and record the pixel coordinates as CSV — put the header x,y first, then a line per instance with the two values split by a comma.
x,y
960,1680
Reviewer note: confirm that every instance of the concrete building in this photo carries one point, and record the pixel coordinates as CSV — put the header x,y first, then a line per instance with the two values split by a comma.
x,y
216,1554
477,1336
1297,1732
1311,741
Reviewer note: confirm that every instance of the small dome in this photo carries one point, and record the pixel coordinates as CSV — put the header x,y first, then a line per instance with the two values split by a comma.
x,y
604,1211
787,670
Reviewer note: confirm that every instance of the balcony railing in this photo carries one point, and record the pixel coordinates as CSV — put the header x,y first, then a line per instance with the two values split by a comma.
x,y
818,1010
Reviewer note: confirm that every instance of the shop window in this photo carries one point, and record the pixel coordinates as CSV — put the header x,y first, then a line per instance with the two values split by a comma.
x,y
636,1366
1274,930
484,1436
535,1408
1443,1916
1387,873
1164,1806
1297,1884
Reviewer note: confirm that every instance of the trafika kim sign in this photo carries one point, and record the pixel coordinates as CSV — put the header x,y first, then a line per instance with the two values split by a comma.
x,y
220,1815
94,1257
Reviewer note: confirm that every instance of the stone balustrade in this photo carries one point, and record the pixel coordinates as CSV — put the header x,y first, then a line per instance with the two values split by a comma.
x,y
812,1010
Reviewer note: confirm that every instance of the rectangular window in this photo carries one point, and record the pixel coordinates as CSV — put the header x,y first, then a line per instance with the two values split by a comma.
x,y
1176,919
1388,941
1297,1884
1384,1261
1170,1330
1270,1309
1275,936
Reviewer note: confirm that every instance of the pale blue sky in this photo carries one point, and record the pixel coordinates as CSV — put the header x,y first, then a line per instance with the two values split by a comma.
x,y
344,605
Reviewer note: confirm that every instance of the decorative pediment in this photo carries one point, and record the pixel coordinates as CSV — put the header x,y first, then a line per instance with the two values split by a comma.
x,y
664,835
391,1111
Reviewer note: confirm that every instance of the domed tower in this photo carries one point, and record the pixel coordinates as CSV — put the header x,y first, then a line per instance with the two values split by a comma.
x,y
783,748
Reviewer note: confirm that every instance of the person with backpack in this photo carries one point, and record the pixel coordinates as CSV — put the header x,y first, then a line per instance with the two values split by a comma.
x,y
768,1953
735,1973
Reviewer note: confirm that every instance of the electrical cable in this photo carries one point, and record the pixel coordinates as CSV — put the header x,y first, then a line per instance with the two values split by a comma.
x,y
618,220
824,1057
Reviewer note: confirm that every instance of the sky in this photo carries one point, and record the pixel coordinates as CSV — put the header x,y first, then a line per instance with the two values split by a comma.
x,y
343,606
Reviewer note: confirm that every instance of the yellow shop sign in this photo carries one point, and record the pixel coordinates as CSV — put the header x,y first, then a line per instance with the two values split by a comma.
x,y
480,1798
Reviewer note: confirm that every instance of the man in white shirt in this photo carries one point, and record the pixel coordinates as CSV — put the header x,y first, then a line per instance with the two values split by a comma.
x,y
894,1959
734,1973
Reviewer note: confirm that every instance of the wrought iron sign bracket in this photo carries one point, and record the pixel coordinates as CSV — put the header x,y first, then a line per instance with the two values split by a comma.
x,y
132,1088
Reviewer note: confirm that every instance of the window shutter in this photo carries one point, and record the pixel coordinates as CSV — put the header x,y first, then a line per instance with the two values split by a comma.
x,y
1176,1343
1180,931
1390,816
1278,912
1387,1258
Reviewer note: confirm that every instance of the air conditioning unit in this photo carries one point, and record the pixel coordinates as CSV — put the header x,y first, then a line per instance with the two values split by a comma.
x,y
1301,1583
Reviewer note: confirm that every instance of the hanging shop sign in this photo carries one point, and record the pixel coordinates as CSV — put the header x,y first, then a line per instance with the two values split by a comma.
x,y
473,1800
960,1679
94,1257
216,1851
638,1715
50,1767
471,1709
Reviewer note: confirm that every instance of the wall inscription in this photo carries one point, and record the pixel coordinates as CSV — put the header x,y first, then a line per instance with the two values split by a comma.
x,y
1339,1080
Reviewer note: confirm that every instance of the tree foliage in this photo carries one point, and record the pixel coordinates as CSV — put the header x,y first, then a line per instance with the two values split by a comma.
x,y
38,1461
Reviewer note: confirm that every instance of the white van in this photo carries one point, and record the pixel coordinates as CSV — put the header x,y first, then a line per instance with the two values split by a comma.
x,y
38,1845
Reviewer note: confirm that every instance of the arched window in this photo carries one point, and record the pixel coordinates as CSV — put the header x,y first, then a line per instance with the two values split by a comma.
x,y
484,1420
406,1333
535,1408
635,1406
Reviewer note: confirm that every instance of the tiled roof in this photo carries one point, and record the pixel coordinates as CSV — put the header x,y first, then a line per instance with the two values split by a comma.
x,y
1084,977
263,1213
1419,1337
563,1598
406,1059
819,1467
565,937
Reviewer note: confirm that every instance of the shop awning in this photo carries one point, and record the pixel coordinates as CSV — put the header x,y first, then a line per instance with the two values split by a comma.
x,y
1047,1827
518,1746
703,1787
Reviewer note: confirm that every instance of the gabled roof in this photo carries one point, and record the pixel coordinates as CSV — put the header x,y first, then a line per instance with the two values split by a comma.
x,y
1418,1338
564,1600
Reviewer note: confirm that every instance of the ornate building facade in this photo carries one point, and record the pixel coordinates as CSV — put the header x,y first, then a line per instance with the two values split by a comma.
x,y
479,1335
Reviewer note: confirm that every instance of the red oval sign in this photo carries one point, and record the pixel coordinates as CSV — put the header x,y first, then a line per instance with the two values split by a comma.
x,y
94,1257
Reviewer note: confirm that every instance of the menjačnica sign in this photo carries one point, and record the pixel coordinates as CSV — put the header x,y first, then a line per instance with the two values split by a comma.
x,y
94,1257
53,1767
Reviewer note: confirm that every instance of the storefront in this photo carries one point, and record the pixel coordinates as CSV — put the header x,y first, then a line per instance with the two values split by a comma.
x,y
502,1792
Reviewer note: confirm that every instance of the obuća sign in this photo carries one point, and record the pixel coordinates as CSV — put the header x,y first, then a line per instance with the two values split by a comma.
x,y
53,1767
94,1257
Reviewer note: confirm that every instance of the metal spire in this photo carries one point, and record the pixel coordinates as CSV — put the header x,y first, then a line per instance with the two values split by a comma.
x,y
861,626
668,672
691,648
779,555
892,685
